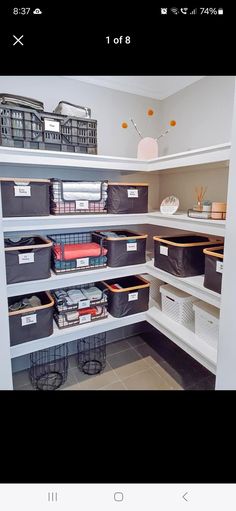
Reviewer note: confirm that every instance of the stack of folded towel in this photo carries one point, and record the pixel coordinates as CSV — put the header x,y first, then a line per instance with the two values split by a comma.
x,y
65,256
73,304
68,298
65,194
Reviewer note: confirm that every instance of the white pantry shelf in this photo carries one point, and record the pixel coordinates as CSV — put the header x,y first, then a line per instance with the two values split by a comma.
x,y
184,337
77,332
70,222
76,278
182,221
207,155
192,285
177,221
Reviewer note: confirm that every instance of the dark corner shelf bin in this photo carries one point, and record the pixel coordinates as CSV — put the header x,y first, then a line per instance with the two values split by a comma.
x,y
181,256
123,251
131,298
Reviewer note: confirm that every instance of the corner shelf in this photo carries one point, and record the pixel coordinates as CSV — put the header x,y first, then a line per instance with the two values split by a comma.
x,y
53,162
192,285
184,222
73,333
184,337
73,279
204,156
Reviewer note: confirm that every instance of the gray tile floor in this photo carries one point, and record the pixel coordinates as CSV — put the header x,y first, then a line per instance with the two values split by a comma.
x,y
146,362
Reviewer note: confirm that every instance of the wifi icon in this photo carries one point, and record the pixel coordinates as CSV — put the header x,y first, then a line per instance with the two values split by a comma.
x,y
174,10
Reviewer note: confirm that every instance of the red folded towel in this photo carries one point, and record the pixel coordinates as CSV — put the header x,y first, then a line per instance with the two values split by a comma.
x,y
79,250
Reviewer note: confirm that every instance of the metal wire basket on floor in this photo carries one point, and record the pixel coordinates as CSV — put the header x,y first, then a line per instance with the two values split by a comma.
x,y
92,354
49,367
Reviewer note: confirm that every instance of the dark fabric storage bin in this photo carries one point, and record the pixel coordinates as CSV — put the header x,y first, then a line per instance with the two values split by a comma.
x,y
25,197
73,252
78,197
27,259
127,198
214,260
123,251
181,256
32,323
131,299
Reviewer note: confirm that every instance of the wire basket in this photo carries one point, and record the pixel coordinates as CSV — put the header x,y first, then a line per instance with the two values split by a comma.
x,y
88,303
83,202
92,354
49,367
76,252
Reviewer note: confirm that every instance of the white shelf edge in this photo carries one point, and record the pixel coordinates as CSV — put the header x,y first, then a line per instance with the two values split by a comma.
x,y
183,222
177,221
77,332
192,285
184,338
74,279
13,224
205,155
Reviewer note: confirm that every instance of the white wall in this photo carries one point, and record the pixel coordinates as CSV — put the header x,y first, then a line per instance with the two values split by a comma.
x,y
203,112
109,107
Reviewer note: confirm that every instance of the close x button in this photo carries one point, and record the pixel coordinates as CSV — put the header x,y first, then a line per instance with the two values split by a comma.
x,y
18,40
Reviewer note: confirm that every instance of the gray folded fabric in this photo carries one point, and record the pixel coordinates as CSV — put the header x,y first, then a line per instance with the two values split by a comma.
x,y
92,293
82,190
76,295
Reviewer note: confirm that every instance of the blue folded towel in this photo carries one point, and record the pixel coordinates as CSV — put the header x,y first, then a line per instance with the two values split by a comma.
x,y
70,265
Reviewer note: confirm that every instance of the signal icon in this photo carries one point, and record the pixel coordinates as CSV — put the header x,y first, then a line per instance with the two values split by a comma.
x,y
194,11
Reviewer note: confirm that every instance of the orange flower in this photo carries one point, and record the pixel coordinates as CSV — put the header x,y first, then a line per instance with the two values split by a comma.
x,y
173,123
124,125
150,112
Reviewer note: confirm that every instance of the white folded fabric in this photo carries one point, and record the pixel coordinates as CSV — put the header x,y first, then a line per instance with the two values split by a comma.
x,y
82,190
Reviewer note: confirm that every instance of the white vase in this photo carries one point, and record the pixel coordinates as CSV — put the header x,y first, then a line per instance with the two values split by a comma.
x,y
147,149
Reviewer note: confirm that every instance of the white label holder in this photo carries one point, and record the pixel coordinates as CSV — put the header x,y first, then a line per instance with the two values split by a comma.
x,y
30,319
131,247
132,193
26,258
22,191
132,296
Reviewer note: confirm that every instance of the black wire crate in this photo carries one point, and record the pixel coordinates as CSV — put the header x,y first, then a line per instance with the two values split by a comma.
x,y
78,197
29,128
49,367
79,304
76,252
92,354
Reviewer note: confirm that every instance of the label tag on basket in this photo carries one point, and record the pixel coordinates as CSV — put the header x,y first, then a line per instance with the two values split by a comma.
x,y
50,125
219,266
22,191
29,320
81,204
133,296
132,193
85,319
84,304
163,250
26,258
82,262
131,246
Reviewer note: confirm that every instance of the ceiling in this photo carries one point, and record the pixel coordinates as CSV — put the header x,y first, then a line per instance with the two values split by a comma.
x,y
157,87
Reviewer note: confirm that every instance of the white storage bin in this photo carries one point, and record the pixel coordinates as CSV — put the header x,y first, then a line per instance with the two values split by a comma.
x,y
207,322
155,285
177,304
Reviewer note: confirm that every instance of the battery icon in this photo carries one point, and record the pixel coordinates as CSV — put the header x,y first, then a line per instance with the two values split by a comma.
x,y
220,11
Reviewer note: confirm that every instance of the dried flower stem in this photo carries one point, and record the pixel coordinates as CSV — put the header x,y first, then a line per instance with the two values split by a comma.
x,y
135,126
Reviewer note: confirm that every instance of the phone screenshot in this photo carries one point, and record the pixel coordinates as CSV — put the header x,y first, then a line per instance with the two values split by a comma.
x,y
117,255
117,219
